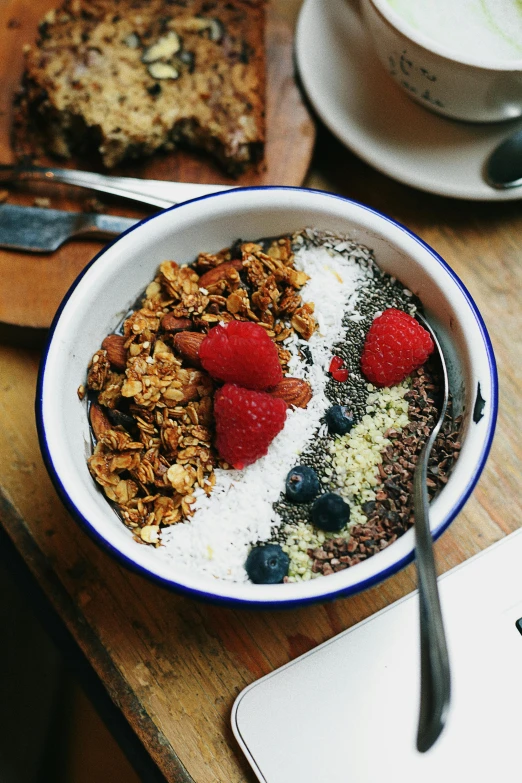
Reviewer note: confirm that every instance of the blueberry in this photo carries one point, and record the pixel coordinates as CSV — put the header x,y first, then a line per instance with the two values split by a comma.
x,y
267,565
339,420
330,512
302,484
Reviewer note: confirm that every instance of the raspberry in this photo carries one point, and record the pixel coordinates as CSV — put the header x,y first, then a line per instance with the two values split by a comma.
x,y
241,352
337,369
396,344
335,364
246,423
340,375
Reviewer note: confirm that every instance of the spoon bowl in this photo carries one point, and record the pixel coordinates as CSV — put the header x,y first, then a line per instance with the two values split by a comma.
x,y
503,168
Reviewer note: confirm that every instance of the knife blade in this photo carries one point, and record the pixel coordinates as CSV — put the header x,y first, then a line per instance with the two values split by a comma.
x,y
158,193
38,230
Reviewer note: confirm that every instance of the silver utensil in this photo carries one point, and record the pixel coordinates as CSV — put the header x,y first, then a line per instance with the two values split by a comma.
x,y
503,168
435,668
44,230
157,193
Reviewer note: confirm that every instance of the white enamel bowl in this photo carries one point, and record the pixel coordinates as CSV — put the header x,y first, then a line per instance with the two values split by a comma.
x,y
108,287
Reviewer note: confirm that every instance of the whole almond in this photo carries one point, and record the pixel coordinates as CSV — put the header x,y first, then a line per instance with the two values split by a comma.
x,y
187,345
218,273
294,391
114,344
171,324
99,421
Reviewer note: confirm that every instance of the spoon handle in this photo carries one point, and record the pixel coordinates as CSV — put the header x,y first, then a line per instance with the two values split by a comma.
x,y
435,667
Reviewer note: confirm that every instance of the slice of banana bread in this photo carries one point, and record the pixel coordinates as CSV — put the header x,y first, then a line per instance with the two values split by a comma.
x,y
124,78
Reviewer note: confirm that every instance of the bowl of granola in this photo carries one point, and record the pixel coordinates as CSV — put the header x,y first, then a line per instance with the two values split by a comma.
x,y
235,392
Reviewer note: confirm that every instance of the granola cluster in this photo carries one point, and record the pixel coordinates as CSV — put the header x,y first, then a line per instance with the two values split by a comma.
x,y
151,408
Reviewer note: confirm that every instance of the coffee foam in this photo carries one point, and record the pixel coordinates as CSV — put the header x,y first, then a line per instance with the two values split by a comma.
x,y
476,29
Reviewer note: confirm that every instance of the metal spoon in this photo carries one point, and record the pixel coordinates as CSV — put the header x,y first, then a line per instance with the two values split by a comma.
x,y
503,168
435,669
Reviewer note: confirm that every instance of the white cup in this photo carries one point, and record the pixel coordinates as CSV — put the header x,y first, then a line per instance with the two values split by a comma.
x,y
471,88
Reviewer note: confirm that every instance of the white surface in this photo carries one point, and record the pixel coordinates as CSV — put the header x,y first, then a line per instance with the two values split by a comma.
x,y
347,711
371,115
109,287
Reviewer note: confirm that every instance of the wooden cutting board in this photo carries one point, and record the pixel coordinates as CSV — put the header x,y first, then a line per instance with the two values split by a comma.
x,y
32,286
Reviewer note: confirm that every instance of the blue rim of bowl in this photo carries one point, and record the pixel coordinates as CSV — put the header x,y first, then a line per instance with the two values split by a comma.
x,y
247,602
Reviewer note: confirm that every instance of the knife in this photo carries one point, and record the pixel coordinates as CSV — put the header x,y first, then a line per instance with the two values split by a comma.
x,y
40,230
158,193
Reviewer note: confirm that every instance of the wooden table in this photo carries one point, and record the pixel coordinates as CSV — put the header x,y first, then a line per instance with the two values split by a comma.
x,y
172,667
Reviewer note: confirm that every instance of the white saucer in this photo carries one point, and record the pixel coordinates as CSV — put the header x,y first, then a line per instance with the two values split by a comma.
x,y
360,104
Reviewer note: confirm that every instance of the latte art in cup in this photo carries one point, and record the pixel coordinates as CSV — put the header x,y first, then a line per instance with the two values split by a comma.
x,y
469,29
